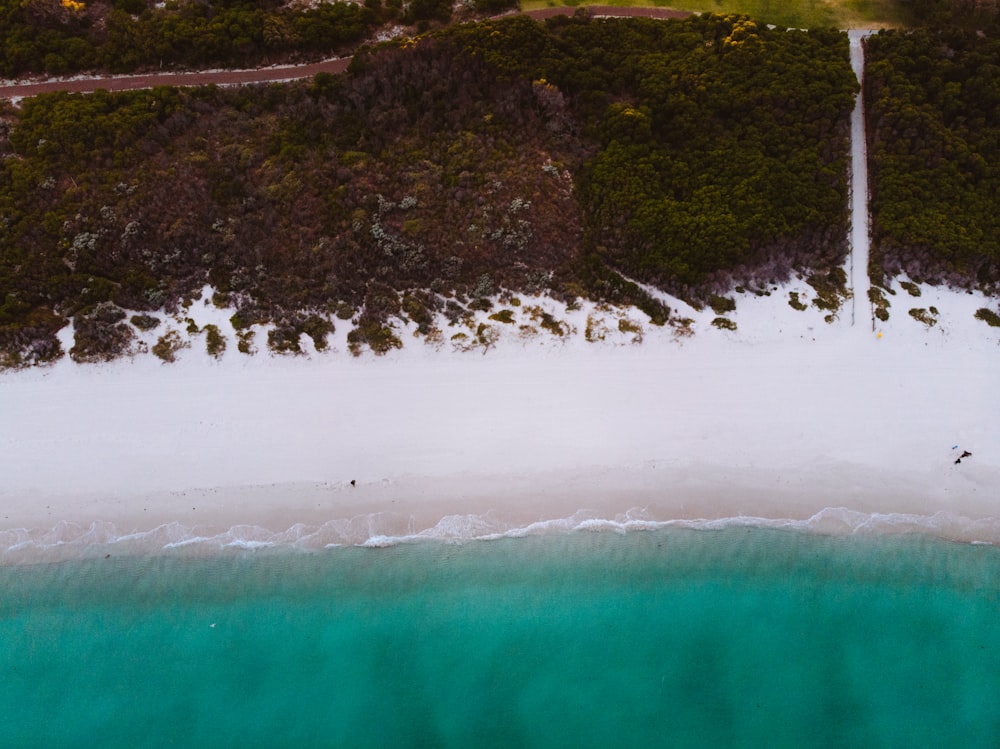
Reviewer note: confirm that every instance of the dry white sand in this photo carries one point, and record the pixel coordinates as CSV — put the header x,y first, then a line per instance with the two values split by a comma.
x,y
782,418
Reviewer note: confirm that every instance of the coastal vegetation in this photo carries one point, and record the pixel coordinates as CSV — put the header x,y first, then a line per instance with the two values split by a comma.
x,y
581,157
934,148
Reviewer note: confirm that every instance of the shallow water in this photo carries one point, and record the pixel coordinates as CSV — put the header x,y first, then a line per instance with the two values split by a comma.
x,y
673,637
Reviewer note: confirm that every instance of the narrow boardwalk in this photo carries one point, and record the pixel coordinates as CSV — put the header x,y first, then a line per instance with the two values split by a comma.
x,y
861,313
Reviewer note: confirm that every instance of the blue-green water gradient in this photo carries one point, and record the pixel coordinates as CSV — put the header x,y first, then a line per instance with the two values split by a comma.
x,y
731,638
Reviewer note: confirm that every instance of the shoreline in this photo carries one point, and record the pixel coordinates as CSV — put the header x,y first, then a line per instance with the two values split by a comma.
x,y
315,517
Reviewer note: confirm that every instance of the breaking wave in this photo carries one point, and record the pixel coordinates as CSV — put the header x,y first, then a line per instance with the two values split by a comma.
x,y
68,540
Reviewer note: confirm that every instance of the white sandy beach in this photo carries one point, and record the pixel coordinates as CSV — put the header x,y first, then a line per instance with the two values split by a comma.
x,y
779,419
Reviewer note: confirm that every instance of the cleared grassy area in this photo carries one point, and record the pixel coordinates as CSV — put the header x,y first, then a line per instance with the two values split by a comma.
x,y
843,14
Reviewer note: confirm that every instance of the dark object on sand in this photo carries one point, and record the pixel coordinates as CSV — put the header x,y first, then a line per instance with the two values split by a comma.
x,y
965,454
353,482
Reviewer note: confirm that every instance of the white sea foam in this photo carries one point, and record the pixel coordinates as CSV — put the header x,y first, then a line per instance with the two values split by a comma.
x,y
67,541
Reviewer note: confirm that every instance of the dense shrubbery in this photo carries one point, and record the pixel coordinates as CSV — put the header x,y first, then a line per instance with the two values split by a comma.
x,y
934,145
720,146
101,334
505,155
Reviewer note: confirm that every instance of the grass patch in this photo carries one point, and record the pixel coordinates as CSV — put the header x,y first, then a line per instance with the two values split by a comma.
x,y
504,316
724,323
630,327
683,327
911,288
988,316
596,330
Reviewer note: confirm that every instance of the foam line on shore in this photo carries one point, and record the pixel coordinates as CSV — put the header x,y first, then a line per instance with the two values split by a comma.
x,y
69,541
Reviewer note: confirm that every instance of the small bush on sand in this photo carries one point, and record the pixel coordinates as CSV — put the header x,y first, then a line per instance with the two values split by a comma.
x,y
723,323
911,288
721,305
380,338
482,304
682,327
988,316
795,303
879,302
486,336
215,342
504,316
922,315
629,327
317,328
168,345
831,289
244,342
416,309
596,330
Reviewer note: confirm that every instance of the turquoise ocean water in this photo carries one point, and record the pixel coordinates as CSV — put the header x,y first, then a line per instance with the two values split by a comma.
x,y
740,637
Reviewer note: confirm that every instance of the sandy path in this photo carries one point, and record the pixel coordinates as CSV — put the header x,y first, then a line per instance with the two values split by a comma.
x,y
860,221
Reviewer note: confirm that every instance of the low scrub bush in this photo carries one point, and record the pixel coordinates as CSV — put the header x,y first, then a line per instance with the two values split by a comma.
x,y
881,305
215,342
922,315
596,330
632,328
317,328
724,323
244,342
721,305
419,306
988,316
283,338
101,334
168,345
145,322
831,289
379,337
